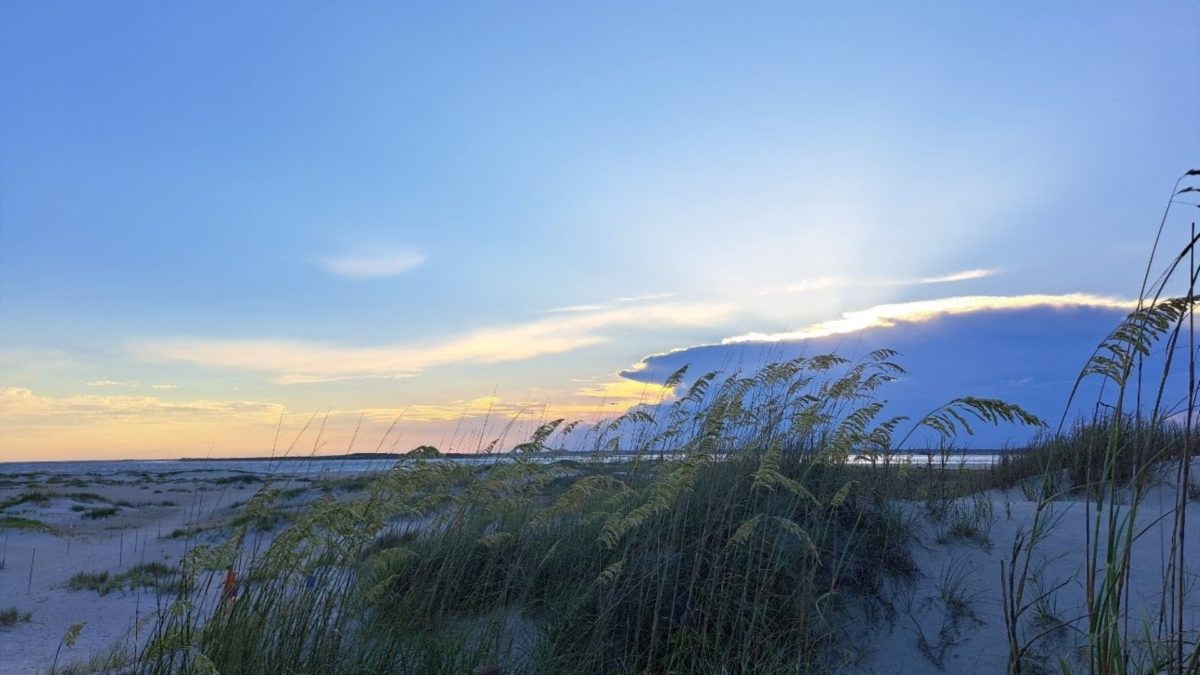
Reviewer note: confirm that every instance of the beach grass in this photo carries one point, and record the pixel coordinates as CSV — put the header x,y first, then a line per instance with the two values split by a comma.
x,y
22,523
721,538
723,531
149,575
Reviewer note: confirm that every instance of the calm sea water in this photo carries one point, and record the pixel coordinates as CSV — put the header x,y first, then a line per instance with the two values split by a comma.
x,y
303,467
318,466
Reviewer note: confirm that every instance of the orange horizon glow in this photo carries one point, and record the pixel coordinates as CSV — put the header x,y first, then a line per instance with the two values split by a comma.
x,y
104,426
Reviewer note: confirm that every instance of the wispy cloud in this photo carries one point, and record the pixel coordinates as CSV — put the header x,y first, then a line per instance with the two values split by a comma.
x,y
629,299
965,275
569,309
20,402
817,284
825,283
644,298
126,384
104,382
372,265
923,310
295,361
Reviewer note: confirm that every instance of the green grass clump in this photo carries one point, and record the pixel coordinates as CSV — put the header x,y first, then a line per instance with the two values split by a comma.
x,y
241,478
12,616
26,497
20,523
86,497
101,582
967,521
186,532
150,575
265,521
101,512
1094,454
147,575
346,484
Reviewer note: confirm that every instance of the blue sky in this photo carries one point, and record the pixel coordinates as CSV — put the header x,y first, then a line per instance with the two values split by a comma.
x,y
215,214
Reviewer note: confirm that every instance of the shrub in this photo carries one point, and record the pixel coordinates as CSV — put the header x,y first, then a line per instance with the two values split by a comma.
x,y
12,616
101,512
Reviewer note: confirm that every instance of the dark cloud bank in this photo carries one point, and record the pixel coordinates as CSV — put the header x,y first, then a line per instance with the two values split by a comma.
x,y
1029,356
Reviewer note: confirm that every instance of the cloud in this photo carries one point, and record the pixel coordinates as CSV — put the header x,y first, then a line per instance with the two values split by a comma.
x,y
824,283
577,308
923,310
1024,349
21,403
620,399
818,284
441,412
296,361
616,301
103,382
372,265
589,401
625,391
965,275
644,298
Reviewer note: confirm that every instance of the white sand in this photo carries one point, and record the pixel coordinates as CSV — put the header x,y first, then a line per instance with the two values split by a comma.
x,y
977,643
920,636
38,565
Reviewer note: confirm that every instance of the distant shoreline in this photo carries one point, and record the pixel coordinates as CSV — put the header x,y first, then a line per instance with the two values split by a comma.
x,y
372,456
474,455
302,458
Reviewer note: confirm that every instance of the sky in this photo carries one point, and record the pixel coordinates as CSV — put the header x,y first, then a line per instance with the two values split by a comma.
x,y
219,220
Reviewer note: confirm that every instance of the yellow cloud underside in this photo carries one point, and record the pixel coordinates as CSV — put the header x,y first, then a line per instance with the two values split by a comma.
x,y
588,402
299,362
20,402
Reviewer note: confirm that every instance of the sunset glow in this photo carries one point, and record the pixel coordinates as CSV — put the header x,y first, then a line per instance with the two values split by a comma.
x,y
220,225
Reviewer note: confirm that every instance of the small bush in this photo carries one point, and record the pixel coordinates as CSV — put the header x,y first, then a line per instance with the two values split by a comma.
x,y
1077,458
149,575
25,497
968,521
12,616
101,582
243,478
101,512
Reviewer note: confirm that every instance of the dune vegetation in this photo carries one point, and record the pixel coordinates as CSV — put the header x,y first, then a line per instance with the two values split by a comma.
x,y
753,523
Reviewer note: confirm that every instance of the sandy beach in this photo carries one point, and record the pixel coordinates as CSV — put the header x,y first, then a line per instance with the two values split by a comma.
x,y
57,526
950,619
947,617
